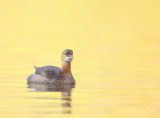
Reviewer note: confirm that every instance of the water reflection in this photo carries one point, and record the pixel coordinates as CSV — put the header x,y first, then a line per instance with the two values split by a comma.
x,y
65,90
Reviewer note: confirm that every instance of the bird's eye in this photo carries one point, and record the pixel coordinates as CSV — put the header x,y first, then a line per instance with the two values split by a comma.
x,y
67,54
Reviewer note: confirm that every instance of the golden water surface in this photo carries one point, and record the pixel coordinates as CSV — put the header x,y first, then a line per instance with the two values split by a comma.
x,y
116,46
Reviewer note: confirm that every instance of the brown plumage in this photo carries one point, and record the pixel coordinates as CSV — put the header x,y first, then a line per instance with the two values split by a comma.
x,y
52,74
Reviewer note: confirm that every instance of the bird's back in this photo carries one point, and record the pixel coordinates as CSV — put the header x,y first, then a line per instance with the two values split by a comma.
x,y
49,72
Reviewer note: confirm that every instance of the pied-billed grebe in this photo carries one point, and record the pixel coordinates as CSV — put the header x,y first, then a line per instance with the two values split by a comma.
x,y
52,74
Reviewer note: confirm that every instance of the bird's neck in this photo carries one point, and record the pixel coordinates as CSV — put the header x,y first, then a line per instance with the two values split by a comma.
x,y
66,67
67,74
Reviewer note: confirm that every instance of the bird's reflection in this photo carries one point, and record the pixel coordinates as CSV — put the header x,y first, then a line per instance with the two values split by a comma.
x,y
65,90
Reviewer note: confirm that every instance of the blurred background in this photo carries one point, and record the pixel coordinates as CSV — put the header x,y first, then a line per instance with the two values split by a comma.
x,y
115,41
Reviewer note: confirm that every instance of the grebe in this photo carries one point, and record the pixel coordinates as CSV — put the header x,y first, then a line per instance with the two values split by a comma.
x,y
52,74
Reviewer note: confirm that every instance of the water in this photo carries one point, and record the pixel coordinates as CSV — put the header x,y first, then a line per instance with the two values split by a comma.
x,y
91,97
116,64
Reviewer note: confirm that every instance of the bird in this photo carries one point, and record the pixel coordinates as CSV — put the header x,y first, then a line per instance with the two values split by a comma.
x,y
52,74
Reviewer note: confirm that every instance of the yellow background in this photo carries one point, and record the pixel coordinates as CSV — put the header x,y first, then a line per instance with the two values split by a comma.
x,y
113,40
